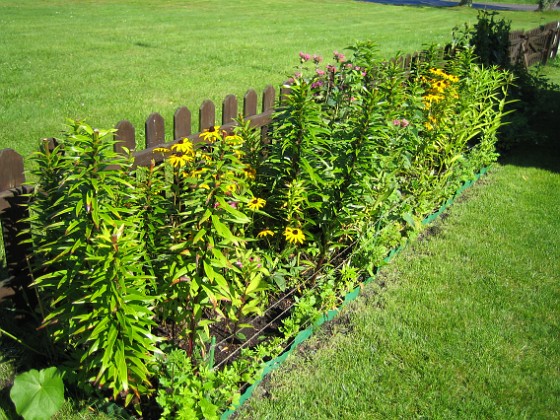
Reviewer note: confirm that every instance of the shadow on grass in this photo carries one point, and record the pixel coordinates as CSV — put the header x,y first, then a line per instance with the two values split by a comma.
x,y
543,148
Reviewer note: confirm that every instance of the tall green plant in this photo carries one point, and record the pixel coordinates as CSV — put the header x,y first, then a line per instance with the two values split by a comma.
x,y
96,297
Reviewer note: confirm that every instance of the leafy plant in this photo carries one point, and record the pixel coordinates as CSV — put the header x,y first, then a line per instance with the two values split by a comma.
x,y
38,394
96,298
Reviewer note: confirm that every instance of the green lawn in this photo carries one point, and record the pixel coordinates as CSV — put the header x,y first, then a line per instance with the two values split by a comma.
x,y
465,326
106,60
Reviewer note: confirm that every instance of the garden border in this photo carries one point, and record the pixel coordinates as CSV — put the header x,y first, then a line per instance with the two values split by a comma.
x,y
303,335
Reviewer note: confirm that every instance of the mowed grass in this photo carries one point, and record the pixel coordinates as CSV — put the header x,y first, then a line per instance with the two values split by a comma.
x,y
466,325
105,61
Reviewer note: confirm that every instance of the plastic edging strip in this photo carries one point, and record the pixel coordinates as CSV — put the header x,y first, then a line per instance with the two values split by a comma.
x,y
349,297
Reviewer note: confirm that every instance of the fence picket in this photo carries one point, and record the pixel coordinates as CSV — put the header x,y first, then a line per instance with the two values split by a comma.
x,y
250,103
11,169
268,101
229,109
155,130
125,135
182,123
206,115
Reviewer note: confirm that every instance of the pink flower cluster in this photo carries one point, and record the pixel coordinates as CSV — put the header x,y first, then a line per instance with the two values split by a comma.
x,y
316,84
401,123
304,57
339,57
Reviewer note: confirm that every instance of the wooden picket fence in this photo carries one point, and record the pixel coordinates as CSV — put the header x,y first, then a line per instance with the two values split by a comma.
x,y
536,46
528,48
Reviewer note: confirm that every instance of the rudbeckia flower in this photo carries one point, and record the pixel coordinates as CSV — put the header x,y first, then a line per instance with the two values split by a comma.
x,y
179,160
183,146
294,235
256,203
211,134
264,233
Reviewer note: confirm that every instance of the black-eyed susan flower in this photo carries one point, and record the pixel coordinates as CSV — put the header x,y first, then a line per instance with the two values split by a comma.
x,y
179,161
265,233
294,235
183,146
212,134
256,203
160,150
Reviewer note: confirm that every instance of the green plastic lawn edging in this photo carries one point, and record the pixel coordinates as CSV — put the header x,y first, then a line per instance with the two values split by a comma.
x,y
349,297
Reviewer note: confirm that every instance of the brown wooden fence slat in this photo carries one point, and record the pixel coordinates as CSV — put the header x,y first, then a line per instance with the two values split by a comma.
x,y
125,136
229,109
11,169
155,130
269,98
182,123
250,103
206,115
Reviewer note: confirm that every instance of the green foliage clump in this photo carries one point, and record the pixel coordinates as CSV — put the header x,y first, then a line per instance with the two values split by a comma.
x,y
359,153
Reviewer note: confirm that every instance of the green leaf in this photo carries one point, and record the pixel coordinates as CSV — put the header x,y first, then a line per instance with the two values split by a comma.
x,y
38,394
199,235
222,229
238,217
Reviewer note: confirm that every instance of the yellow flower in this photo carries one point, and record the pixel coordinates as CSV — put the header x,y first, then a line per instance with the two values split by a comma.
x,y
160,150
234,140
200,154
183,146
231,188
439,86
179,160
294,235
211,134
239,154
195,173
256,203
264,233
437,72
428,126
250,172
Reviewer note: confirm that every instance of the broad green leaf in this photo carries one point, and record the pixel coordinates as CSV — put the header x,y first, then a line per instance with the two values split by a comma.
x,y
199,235
222,229
238,216
209,271
254,285
38,394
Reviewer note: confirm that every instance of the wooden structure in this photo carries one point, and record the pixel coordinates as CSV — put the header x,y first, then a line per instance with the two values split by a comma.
x,y
536,46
